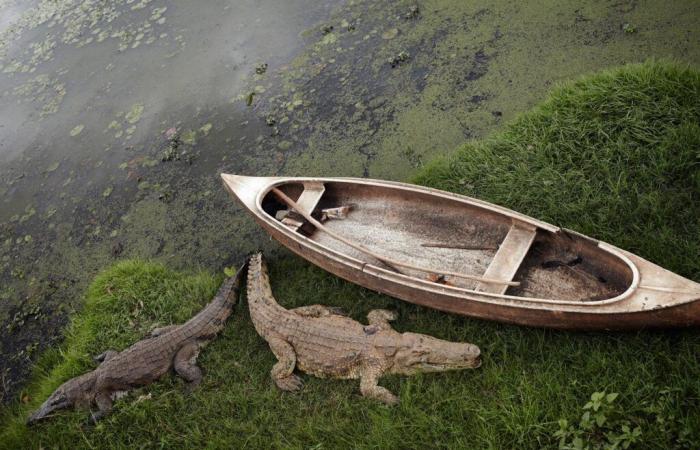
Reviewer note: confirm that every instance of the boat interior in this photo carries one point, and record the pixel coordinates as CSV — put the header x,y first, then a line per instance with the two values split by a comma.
x,y
434,238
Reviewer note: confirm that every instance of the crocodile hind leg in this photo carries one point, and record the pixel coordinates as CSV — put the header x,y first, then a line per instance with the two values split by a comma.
x,y
369,387
282,372
105,356
185,365
381,318
162,330
318,311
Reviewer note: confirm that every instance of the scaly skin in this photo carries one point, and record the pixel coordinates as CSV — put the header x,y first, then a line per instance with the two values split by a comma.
x,y
175,346
320,341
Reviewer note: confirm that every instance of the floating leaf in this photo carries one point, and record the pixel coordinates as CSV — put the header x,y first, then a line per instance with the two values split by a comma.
x,y
390,34
77,130
189,137
107,192
134,114
205,129
53,166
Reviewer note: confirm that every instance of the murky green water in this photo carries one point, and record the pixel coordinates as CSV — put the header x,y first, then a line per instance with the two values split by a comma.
x,y
116,117
102,102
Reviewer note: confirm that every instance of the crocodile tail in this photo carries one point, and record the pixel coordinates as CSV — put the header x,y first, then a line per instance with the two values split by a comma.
x,y
230,289
217,311
259,290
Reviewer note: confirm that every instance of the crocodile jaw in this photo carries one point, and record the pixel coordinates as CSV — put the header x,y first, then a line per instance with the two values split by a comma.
x,y
58,400
420,353
74,392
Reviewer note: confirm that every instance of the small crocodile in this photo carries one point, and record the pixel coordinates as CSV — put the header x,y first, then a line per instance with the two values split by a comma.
x,y
174,346
321,341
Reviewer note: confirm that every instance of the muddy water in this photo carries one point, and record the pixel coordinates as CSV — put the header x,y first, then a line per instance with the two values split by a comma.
x,y
88,89
115,118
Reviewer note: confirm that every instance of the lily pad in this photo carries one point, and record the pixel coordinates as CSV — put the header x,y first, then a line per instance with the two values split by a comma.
x,y
390,34
134,114
329,38
189,137
205,129
77,130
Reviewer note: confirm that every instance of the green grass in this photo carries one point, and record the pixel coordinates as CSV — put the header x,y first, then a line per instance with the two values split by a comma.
x,y
615,155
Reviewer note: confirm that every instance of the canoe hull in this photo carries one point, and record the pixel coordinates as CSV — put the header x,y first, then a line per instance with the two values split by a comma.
x,y
621,315
684,315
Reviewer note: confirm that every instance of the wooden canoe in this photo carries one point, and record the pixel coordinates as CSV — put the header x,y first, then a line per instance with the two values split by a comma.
x,y
465,256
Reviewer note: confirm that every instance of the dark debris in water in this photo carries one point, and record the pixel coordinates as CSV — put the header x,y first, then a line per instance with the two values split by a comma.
x,y
399,59
412,13
261,68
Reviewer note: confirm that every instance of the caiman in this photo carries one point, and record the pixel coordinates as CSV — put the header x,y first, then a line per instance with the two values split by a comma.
x,y
319,340
175,346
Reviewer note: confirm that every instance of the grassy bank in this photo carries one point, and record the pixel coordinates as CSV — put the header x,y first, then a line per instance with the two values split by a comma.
x,y
615,155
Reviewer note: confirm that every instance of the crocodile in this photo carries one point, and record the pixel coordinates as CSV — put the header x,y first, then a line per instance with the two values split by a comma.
x,y
175,346
322,341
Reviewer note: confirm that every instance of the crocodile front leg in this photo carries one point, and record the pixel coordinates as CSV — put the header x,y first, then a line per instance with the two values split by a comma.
x,y
318,311
185,364
103,400
282,372
369,387
380,318
105,356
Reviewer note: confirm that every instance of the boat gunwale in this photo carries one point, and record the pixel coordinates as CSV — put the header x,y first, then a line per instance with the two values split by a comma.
x,y
529,302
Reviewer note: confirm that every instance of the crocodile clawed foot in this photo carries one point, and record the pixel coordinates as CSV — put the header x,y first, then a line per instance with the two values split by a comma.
x,y
191,387
337,310
290,383
92,418
105,356
390,400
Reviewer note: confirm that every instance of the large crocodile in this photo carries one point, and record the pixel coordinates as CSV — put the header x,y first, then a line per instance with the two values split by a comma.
x,y
174,346
320,341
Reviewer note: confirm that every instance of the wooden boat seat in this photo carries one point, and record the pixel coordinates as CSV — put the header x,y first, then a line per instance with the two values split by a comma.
x,y
509,256
307,201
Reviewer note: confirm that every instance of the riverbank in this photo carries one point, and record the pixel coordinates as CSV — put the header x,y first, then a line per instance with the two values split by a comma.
x,y
614,155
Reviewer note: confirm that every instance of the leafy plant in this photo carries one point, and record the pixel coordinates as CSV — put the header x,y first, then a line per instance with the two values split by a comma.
x,y
602,426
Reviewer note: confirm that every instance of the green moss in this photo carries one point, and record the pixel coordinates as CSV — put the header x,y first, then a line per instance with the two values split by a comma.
x,y
472,65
